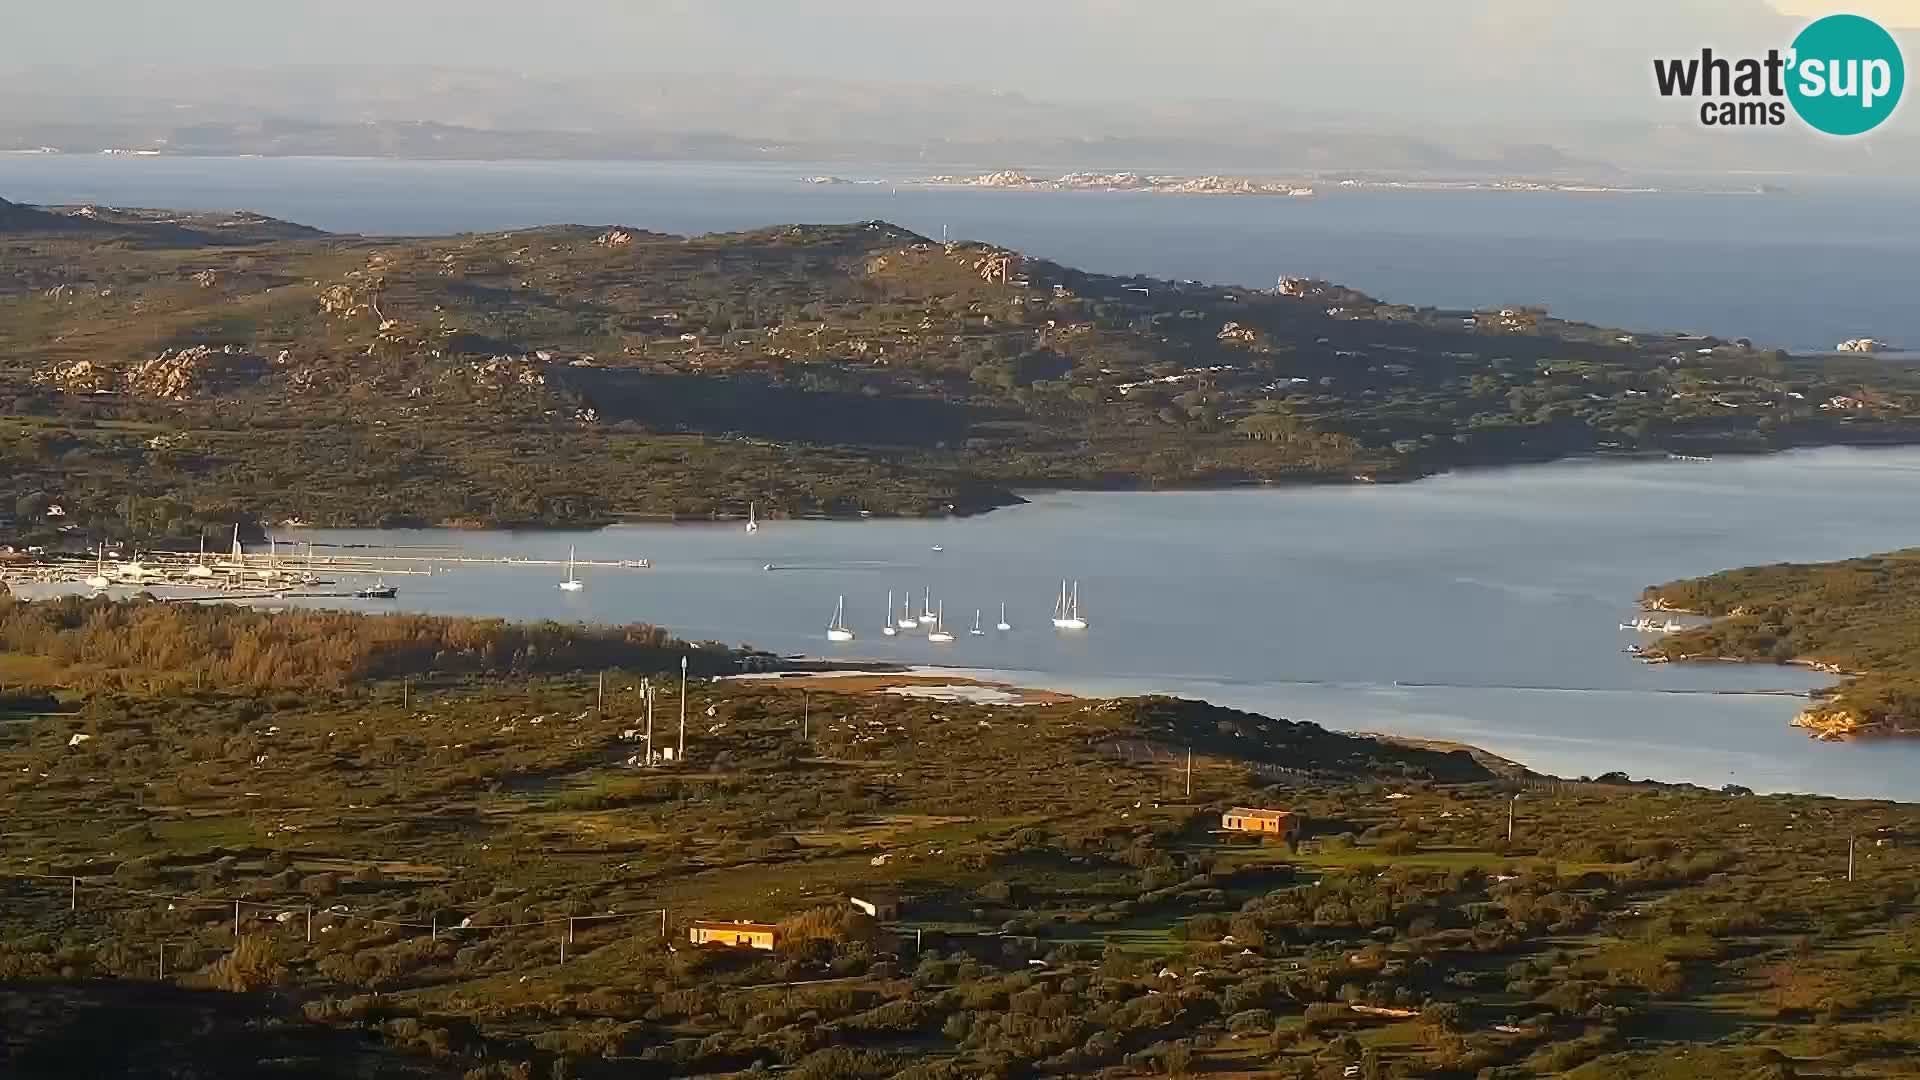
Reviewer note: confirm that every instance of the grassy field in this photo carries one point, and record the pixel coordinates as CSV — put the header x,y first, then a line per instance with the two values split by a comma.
x,y
488,880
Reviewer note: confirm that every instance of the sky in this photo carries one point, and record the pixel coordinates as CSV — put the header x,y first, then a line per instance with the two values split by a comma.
x,y
1474,60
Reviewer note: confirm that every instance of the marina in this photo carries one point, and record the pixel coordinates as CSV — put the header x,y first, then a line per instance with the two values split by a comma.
x,y
243,574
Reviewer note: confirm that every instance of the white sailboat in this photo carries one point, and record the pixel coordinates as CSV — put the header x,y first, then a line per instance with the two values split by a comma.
x,y
1066,613
572,584
906,621
976,631
98,579
753,523
837,629
200,569
939,635
886,624
927,614
1003,624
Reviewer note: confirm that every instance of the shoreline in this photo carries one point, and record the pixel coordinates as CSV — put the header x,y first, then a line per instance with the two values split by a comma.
x,y
1019,495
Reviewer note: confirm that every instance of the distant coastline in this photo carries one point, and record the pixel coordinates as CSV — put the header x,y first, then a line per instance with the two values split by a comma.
x,y
1245,185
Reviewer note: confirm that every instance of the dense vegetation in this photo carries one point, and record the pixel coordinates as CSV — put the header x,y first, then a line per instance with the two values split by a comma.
x,y
163,373
485,872
99,643
1858,616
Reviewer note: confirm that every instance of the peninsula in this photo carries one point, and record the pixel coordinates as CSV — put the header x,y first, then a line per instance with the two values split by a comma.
x,y
162,371
1859,618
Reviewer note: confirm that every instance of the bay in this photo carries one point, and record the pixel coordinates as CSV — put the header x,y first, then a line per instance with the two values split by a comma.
x,y
1479,606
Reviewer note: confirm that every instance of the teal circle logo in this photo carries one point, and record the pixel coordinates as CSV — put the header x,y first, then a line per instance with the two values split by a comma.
x,y
1847,75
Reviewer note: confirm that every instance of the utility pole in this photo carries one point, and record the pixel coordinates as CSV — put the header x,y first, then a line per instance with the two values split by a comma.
x,y
663,922
1511,803
73,901
806,714
1189,772
600,699
236,922
1850,843
406,692
646,692
682,752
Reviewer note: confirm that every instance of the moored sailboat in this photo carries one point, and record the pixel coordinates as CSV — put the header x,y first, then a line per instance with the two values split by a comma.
x,y
837,629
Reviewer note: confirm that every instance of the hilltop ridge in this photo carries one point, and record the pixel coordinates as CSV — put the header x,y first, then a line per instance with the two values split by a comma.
x,y
530,376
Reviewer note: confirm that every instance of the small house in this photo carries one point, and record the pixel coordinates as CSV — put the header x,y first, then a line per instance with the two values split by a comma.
x,y
734,935
1281,823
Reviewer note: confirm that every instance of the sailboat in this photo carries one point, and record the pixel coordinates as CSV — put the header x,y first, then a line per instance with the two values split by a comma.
x,y
200,569
1003,624
753,523
886,624
906,621
976,631
927,614
98,579
572,584
837,629
379,590
939,635
1066,613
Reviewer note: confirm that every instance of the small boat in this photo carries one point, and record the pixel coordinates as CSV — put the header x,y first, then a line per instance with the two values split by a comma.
x,y
837,629
927,614
637,564
379,590
906,621
753,523
572,584
200,569
1671,627
976,631
939,635
769,566
937,547
886,624
98,579
1003,624
1066,612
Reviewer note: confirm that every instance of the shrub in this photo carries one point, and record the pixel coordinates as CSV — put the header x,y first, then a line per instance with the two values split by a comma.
x,y
249,967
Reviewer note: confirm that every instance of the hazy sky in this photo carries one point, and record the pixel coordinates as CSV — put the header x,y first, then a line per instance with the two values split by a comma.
x,y
1477,58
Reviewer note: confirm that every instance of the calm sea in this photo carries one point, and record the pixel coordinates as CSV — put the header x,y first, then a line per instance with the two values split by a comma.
x,y
1481,606
1803,270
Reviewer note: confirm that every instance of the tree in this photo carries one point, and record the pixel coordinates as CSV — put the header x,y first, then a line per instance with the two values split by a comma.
x,y
31,506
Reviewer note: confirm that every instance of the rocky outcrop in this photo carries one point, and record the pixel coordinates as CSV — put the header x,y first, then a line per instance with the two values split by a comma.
x,y
179,375
999,267
501,374
1235,334
1831,723
341,301
75,377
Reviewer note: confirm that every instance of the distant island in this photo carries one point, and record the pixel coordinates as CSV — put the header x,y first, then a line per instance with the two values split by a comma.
x,y
165,371
1858,617
1014,180
1124,181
